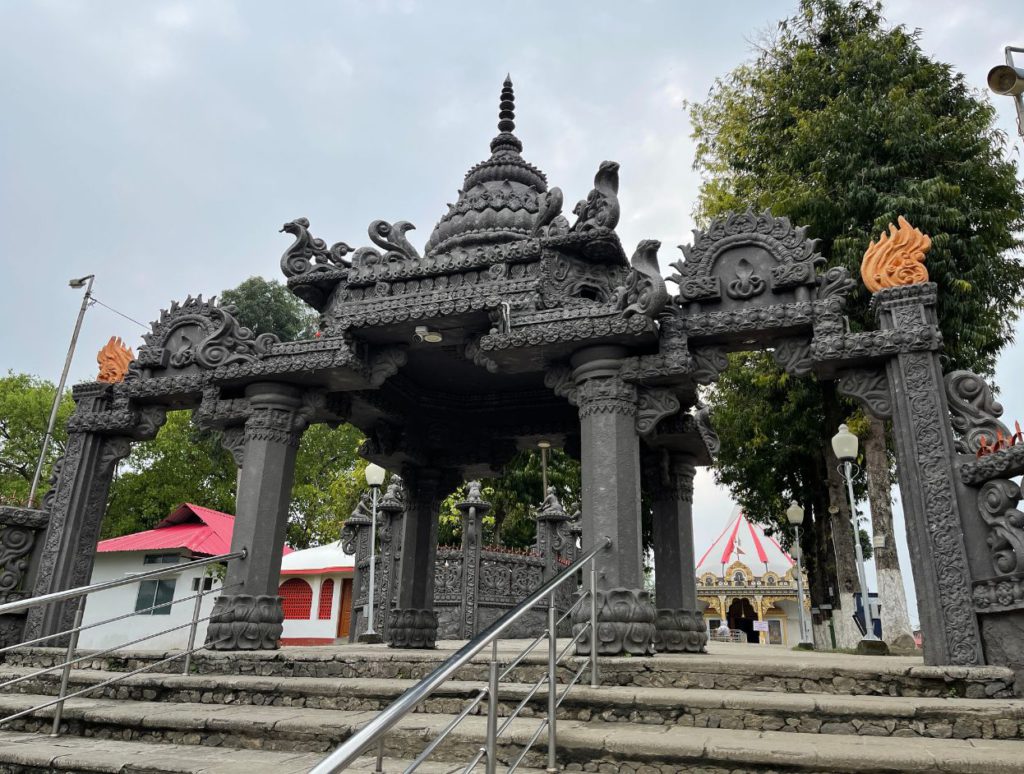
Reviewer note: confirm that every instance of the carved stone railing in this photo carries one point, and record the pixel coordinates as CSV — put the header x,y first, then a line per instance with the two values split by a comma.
x,y
21,532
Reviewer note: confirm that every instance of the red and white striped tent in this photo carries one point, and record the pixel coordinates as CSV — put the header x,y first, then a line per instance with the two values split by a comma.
x,y
743,541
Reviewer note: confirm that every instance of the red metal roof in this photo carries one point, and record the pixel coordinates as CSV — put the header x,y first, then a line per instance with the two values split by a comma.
x,y
189,527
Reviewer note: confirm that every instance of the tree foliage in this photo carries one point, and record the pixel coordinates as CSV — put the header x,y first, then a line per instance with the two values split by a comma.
x,y
267,306
185,463
25,404
842,123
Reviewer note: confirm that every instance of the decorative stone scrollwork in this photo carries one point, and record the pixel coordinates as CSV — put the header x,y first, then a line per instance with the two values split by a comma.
x,y
625,623
794,356
473,354
308,254
999,595
702,417
198,333
601,207
709,362
653,405
680,631
559,380
975,411
392,238
386,363
245,622
793,253
870,387
644,292
412,629
997,502
18,532
836,283
747,284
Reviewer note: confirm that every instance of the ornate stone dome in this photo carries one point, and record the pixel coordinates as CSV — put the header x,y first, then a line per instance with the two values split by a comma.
x,y
499,201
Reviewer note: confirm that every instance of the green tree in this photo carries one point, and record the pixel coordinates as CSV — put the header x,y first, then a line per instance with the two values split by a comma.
x,y
185,463
25,403
267,306
843,123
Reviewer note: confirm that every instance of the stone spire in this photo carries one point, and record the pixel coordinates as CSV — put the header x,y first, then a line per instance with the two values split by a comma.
x,y
499,197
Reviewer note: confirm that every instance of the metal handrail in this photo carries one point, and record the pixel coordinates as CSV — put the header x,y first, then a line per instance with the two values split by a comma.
x,y
81,591
373,732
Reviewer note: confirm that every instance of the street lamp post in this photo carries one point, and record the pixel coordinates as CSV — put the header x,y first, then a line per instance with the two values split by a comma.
x,y
85,282
374,478
544,446
845,444
795,514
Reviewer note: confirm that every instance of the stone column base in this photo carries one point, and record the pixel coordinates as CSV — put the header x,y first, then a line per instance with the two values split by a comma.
x,y
680,631
245,622
625,623
412,629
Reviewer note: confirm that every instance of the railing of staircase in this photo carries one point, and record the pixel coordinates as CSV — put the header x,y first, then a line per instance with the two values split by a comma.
x,y
71,658
372,735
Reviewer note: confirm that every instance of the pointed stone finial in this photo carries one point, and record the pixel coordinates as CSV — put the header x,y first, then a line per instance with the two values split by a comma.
x,y
506,141
507,107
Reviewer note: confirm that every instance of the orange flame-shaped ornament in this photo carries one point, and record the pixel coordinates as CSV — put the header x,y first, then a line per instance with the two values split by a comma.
x,y
897,258
113,360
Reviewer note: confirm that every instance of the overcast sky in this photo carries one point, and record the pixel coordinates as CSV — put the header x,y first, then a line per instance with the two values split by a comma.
x,y
161,145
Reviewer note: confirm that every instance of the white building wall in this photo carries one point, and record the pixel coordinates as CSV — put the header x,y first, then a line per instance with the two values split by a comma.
x,y
121,601
314,627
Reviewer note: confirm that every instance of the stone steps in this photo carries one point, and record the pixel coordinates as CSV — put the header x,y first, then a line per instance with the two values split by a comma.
x,y
727,667
702,708
21,752
224,738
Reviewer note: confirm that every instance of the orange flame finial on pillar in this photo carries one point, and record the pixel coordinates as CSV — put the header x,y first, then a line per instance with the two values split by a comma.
x,y
897,258
113,360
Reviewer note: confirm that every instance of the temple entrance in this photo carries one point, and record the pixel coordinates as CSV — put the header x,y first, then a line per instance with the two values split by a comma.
x,y
741,617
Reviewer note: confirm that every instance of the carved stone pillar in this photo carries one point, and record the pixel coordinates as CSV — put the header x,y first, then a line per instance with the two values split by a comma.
x,y
390,512
355,540
100,433
668,478
926,473
473,509
413,624
249,616
554,540
611,503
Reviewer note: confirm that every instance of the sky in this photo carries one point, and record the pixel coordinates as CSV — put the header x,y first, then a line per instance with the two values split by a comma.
x,y
161,145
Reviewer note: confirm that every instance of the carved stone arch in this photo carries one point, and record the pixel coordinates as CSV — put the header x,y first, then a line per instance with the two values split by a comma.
x,y
747,258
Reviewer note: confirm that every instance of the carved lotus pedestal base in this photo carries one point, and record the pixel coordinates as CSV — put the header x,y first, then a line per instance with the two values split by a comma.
x,y
625,623
412,629
680,631
245,622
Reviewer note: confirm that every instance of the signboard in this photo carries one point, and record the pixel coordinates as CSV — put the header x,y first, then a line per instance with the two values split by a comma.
x,y
760,626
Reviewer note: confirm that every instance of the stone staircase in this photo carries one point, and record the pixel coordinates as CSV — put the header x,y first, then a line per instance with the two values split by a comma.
x,y
738,709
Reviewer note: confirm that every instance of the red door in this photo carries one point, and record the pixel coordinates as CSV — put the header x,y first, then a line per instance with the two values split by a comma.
x,y
345,615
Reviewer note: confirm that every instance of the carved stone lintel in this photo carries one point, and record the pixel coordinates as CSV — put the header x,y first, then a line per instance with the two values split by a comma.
x,y
625,623
412,629
245,622
870,388
680,631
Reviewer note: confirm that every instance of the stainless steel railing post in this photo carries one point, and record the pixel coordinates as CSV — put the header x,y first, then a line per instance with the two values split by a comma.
x,y
380,757
65,675
594,678
552,685
195,623
492,712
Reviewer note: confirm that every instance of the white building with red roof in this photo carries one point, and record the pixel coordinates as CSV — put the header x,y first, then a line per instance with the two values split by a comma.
x,y
745,576
316,585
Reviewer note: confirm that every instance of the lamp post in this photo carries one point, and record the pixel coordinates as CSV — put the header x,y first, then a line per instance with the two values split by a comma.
x,y
374,479
85,282
1008,81
795,514
544,446
845,444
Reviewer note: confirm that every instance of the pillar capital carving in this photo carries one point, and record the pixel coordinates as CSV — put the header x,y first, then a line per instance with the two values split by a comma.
x,y
274,414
